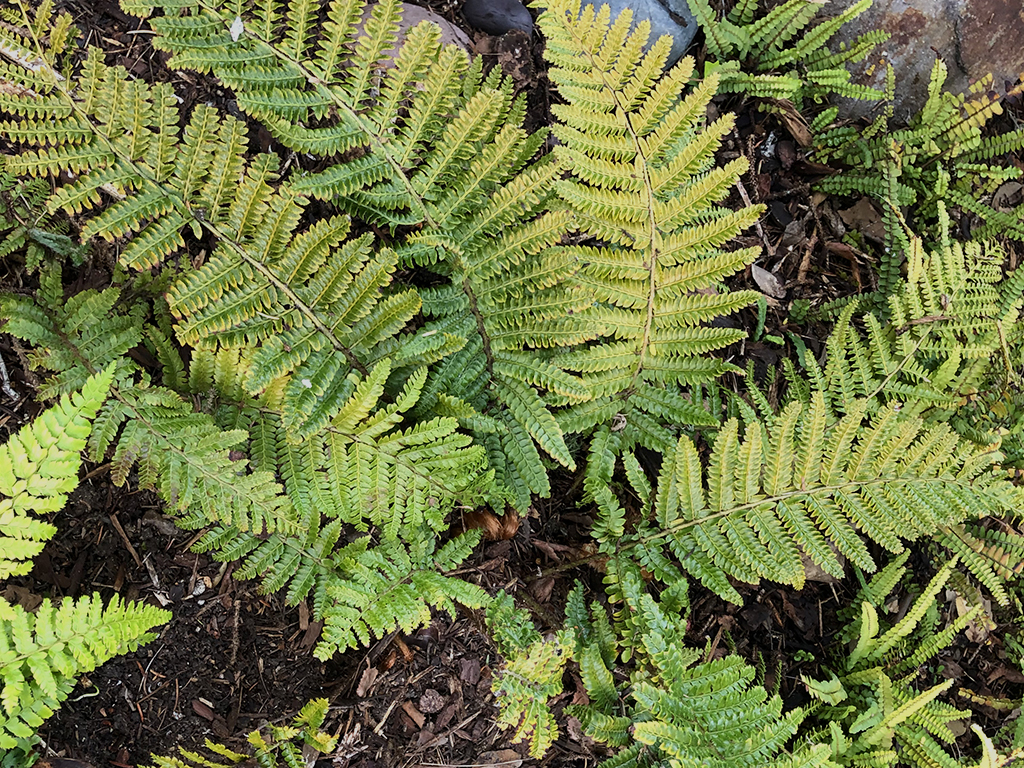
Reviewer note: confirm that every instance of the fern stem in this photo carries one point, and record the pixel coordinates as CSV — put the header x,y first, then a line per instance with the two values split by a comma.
x,y
481,328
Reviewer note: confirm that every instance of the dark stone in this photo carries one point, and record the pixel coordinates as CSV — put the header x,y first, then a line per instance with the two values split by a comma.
x,y
496,17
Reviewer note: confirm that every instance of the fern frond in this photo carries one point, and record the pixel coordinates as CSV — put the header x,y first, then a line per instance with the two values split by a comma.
x,y
531,675
42,653
39,468
641,179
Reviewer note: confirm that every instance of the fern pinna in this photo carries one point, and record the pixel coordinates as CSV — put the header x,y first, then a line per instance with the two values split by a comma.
x,y
642,182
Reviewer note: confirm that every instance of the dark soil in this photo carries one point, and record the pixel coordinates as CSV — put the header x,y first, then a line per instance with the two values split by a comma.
x,y
231,659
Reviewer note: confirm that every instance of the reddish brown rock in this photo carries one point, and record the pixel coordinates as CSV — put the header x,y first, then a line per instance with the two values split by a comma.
x,y
973,37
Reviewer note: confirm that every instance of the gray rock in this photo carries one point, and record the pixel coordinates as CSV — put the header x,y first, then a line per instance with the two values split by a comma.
x,y
496,17
973,37
667,17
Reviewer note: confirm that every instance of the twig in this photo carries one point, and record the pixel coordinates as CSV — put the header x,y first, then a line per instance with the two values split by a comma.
x,y
5,382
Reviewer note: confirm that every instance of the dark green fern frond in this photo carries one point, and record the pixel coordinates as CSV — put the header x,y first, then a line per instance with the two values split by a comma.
x,y
184,455
642,182
942,156
683,713
367,471
873,713
778,56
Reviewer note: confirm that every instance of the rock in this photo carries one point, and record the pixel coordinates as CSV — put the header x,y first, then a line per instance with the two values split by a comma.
x,y
411,16
667,17
973,37
496,17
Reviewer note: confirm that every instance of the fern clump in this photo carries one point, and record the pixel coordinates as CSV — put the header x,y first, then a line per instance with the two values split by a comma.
x,y
776,55
942,158
42,653
680,711
873,713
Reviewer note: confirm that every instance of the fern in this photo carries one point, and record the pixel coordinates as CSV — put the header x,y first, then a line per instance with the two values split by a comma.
x,y
778,57
873,714
531,675
365,472
804,485
256,285
272,746
681,712
42,653
180,453
642,182
38,468
942,158
455,163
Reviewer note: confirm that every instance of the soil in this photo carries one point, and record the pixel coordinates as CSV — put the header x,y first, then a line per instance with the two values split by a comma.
x,y
232,659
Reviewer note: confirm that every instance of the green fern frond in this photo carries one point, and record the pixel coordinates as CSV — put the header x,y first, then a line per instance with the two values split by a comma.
x,y
875,714
811,482
687,713
777,56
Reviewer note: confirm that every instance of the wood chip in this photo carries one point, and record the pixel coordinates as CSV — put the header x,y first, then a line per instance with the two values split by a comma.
x,y
366,681
414,714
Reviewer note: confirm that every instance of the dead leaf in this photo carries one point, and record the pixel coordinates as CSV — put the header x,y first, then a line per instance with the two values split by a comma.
x,y
203,709
541,588
469,671
865,218
768,282
1008,196
366,681
494,528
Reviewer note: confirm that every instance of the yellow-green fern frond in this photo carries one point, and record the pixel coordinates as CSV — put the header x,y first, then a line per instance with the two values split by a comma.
x,y
641,179
272,746
42,653
531,675
39,468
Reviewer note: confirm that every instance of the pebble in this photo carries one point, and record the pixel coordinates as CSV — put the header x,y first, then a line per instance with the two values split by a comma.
x,y
667,17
